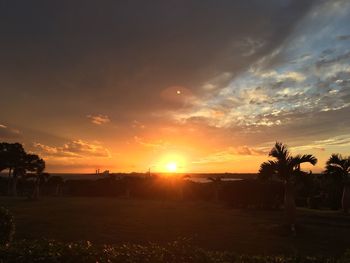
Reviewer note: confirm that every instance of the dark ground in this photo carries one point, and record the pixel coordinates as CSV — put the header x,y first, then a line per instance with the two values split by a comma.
x,y
209,225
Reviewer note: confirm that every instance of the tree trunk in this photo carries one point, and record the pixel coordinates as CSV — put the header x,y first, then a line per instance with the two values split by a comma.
x,y
36,190
14,185
289,205
57,192
9,182
345,201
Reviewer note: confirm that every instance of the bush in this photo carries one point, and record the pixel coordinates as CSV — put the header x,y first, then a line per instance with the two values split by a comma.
x,y
314,202
7,226
253,194
50,251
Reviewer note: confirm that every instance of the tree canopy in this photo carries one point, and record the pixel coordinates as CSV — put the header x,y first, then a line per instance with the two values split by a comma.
x,y
338,167
14,158
285,166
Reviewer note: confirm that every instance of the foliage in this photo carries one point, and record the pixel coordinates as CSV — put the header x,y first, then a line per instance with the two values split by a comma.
x,y
14,158
33,163
253,194
336,173
285,166
338,167
51,251
11,155
7,226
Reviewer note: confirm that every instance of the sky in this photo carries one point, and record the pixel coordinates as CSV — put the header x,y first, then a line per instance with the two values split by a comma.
x,y
204,84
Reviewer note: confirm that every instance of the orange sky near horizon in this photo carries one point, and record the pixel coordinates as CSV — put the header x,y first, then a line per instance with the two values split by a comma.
x,y
192,151
187,86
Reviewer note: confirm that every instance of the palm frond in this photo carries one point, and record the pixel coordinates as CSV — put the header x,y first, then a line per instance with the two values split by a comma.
x,y
267,170
335,159
347,164
306,158
285,166
280,152
333,170
337,166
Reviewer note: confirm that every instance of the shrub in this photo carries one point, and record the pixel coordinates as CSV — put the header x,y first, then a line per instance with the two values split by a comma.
x,y
50,251
7,226
346,257
314,202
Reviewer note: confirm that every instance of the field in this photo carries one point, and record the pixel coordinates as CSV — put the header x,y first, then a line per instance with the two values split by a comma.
x,y
208,225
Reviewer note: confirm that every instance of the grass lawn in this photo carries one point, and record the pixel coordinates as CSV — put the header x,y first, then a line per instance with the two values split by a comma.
x,y
209,225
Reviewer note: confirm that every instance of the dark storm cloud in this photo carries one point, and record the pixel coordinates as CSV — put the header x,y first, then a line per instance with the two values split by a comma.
x,y
118,56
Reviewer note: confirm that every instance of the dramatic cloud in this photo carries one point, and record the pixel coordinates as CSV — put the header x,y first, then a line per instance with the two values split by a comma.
x,y
295,86
219,81
73,149
119,57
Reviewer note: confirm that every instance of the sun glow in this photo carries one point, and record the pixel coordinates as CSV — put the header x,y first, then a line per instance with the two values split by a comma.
x,y
171,163
171,167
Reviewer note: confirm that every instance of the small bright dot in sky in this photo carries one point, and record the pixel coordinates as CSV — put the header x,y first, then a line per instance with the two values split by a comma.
x,y
178,92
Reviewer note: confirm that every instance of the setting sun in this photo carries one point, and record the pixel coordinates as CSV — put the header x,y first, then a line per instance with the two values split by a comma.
x,y
171,167
171,163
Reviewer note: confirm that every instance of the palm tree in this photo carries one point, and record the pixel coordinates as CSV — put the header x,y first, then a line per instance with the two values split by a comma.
x,y
285,167
338,168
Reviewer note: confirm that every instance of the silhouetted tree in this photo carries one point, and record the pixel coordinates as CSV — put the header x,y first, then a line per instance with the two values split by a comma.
x,y
3,161
286,167
3,164
34,164
338,170
12,157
